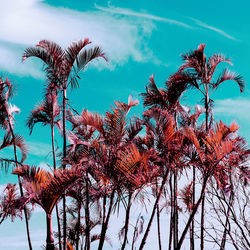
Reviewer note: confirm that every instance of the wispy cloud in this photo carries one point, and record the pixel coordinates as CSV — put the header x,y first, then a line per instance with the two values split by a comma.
x,y
237,108
217,30
128,12
24,23
10,60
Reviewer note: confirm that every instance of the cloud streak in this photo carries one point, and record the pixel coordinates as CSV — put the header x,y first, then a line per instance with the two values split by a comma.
x,y
209,27
238,107
128,12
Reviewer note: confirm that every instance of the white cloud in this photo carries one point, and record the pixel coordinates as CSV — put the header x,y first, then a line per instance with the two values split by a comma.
x,y
10,60
128,12
219,31
24,23
238,107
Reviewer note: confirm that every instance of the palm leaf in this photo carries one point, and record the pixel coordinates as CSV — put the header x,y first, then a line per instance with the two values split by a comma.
x,y
73,51
154,96
82,59
227,75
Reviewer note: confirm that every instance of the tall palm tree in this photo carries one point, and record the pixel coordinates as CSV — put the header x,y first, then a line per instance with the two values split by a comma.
x,y
110,154
7,112
166,140
48,113
62,67
219,151
168,99
45,189
198,72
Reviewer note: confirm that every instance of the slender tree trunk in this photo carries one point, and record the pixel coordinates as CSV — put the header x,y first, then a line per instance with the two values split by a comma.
x,y
202,221
192,225
20,186
49,240
158,220
158,226
105,225
127,221
54,165
64,166
175,217
78,225
193,213
204,196
143,242
87,221
171,214
224,237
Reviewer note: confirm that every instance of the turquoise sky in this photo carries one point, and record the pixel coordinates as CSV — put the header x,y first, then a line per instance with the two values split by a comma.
x,y
140,38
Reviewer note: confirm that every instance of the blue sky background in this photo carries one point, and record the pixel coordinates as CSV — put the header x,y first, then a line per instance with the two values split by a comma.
x,y
140,38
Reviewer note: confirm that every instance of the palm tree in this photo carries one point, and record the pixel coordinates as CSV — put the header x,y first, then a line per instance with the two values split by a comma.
x,y
109,152
48,113
62,69
168,99
45,189
219,151
7,112
10,205
166,141
198,72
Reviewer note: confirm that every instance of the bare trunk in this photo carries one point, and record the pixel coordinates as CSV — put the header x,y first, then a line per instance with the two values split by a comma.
x,y
202,221
127,221
20,186
105,225
192,225
175,217
49,240
158,226
171,214
54,165
78,225
87,229
63,165
143,242
226,230
203,198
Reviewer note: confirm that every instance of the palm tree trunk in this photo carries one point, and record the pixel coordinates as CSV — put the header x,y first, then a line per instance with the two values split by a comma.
x,y
143,242
204,196
78,225
87,229
175,217
54,165
64,166
202,221
193,213
49,240
158,226
20,186
105,224
224,237
192,225
127,221
171,214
